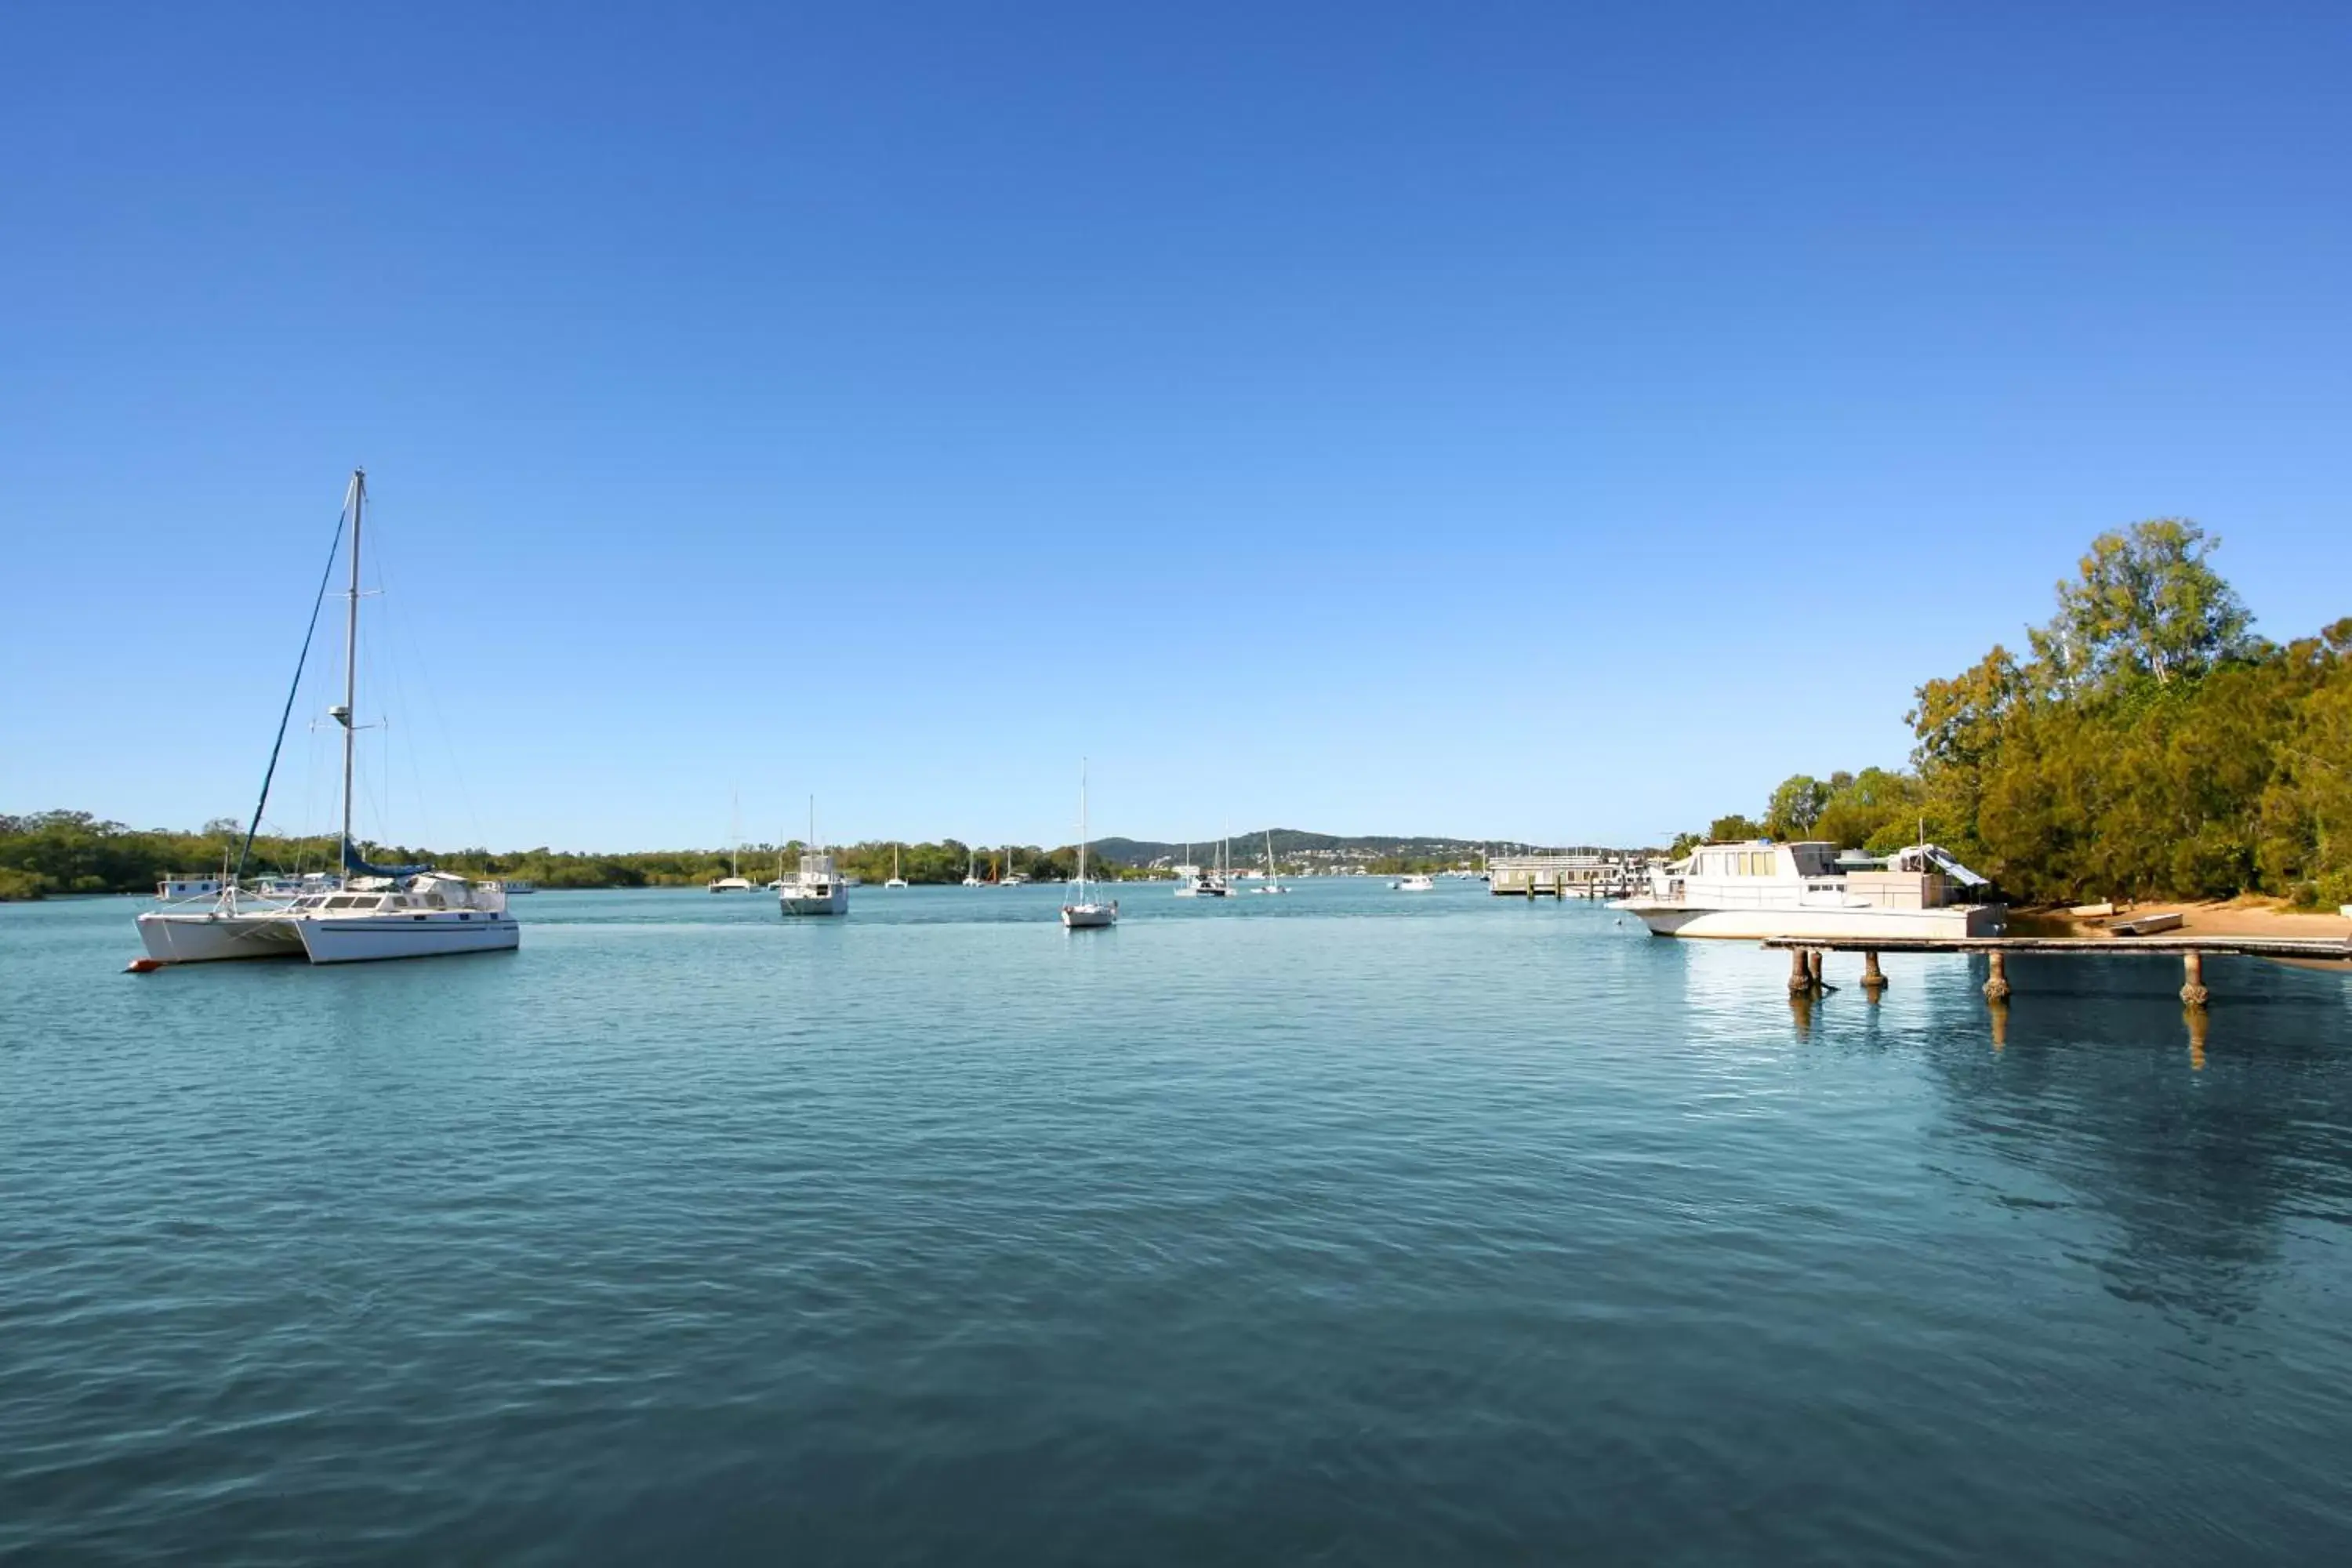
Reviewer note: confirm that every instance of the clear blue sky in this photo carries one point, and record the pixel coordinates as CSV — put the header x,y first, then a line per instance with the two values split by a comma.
x,y
1587,417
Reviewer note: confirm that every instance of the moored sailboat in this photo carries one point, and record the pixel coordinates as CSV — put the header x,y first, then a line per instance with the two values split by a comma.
x,y
1082,912
372,911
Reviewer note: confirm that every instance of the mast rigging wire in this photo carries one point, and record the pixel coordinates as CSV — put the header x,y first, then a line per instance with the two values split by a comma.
x,y
270,773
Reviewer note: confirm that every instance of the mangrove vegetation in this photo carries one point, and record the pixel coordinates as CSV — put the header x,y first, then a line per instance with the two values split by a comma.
x,y
2143,744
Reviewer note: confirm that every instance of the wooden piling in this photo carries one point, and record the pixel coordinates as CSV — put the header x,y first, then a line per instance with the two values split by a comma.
x,y
1800,973
1996,987
1873,979
2192,990
1814,966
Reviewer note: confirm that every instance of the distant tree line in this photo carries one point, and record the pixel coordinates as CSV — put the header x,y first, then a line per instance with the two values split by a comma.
x,y
2146,744
74,852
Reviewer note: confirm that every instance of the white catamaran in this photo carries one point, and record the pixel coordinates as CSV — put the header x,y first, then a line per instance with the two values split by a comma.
x,y
1083,912
370,912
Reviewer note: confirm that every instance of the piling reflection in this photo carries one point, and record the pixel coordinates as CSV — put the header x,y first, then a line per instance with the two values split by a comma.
x,y
2192,1176
1801,1012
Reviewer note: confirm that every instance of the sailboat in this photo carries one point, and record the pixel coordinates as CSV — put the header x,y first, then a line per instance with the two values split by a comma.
x,y
897,878
370,912
1199,884
1082,912
972,868
1273,883
816,888
734,881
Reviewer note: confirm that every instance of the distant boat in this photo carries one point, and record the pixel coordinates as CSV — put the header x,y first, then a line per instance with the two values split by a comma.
x,y
515,885
734,881
369,911
1419,883
896,879
1272,882
1084,913
816,888
1215,882
971,870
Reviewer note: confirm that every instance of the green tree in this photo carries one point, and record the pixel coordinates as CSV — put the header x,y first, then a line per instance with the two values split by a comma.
x,y
2144,603
1795,807
1732,828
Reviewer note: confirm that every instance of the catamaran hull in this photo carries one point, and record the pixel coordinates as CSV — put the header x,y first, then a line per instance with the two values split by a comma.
x,y
390,937
796,905
216,938
1754,925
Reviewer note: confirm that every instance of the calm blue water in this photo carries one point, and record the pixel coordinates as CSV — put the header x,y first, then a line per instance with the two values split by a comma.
x,y
1348,1227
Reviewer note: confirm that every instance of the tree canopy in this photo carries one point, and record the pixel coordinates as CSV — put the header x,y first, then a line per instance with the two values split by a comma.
x,y
2148,745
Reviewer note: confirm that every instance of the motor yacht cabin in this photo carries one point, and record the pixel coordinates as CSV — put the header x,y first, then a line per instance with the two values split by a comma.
x,y
1756,888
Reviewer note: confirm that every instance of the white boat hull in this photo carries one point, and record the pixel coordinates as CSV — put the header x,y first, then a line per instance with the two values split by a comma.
x,y
408,935
1754,925
1089,916
193,937
833,903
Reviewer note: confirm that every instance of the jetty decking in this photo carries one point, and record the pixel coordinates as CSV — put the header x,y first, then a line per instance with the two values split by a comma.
x,y
1805,954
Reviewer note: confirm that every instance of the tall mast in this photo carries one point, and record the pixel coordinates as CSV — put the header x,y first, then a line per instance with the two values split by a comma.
x,y
1082,828
352,667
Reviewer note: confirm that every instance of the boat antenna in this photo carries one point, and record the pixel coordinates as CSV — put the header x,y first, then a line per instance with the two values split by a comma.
x,y
345,714
326,575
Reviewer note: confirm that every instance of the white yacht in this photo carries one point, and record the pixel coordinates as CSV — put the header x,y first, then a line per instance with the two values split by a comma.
x,y
971,870
1418,882
1757,889
373,911
816,888
1196,883
896,880
1083,913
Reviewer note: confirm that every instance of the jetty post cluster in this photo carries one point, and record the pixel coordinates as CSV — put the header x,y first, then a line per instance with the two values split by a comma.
x,y
1805,955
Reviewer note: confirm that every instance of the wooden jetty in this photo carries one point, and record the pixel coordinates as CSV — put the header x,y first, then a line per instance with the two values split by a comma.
x,y
1805,954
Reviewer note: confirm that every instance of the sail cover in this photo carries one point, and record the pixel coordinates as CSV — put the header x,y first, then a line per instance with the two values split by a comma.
x,y
355,867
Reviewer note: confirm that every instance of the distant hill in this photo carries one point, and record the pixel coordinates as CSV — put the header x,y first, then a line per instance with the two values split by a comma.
x,y
1295,844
